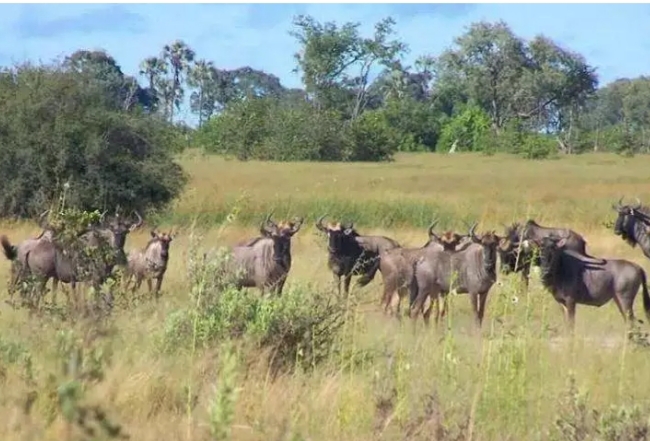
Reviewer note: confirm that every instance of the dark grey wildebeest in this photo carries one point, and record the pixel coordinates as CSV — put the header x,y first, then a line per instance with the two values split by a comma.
x,y
632,224
351,254
470,271
533,231
397,265
573,278
149,262
264,262
73,263
514,257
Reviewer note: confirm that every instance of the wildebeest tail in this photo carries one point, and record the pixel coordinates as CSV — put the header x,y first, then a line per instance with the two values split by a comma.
x,y
370,274
646,296
10,251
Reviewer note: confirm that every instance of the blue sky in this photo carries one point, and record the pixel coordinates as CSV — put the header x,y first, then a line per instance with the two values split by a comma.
x,y
614,38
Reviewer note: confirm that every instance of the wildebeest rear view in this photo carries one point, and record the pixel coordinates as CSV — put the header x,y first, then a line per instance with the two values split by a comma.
x,y
351,254
574,278
264,263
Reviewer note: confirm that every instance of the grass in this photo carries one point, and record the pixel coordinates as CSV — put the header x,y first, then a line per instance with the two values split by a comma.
x,y
385,382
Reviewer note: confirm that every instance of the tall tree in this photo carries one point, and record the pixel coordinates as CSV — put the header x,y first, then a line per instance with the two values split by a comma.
x,y
336,62
178,55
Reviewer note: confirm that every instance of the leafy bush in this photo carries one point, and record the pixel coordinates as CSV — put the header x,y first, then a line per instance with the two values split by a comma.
x,y
271,129
54,131
370,138
301,327
465,129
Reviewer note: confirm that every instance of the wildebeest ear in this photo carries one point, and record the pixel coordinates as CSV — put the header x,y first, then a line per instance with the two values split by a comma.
x,y
153,233
504,243
347,231
561,243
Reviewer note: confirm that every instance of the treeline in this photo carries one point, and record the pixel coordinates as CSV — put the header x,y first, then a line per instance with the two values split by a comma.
x,y
492,91
81,128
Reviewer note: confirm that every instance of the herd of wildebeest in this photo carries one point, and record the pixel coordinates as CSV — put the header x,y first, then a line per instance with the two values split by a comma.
x,y
449,261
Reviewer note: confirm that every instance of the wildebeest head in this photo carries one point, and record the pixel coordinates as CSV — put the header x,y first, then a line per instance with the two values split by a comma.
x,y
628,216
120,228
164,240
509,248
489,241
550,249
449,239
339,236
281,234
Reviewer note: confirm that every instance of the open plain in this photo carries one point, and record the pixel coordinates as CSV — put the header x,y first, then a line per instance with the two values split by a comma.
x,y
507,383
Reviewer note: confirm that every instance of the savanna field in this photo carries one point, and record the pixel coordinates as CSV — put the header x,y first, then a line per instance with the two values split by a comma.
x,y
163,370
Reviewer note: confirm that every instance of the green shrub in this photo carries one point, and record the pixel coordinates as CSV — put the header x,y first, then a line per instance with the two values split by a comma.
x,y
54,131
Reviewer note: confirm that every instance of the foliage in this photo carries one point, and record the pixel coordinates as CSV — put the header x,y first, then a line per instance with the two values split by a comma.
x,y
464,131
301,327
54,131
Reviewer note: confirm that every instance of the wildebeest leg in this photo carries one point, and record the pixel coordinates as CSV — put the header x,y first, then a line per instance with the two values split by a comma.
x,y
570,313
481,307
280,286
158,284
474,298
55,289
149,285
346,284
625,307
138,282
337,283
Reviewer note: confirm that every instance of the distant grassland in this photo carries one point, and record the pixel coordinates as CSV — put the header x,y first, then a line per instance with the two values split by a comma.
x,y
575,191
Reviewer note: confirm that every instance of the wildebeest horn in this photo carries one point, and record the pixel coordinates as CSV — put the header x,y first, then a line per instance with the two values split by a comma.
x,y
638,204
42,218
619,204
430,229
266,223
471,231
319,222
138,223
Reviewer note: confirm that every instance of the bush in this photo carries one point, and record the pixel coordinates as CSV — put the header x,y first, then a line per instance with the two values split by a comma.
x,y
54,131
273,129
301,327
466,130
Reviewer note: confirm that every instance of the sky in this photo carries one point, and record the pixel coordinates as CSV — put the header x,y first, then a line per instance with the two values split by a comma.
x,y
614,38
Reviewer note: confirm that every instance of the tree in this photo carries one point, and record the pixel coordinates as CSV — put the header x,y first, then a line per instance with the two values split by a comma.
x,y
336,61
56,133
178,56
99,69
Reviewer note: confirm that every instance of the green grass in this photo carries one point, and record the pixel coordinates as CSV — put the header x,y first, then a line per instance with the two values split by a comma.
x,y
384,381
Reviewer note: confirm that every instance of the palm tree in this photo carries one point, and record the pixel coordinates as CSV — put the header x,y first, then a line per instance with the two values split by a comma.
x,y
179,56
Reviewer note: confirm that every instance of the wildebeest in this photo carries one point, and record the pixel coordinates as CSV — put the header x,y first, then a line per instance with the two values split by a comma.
x,y
533,231
351,254
17,253
513,255
470,271
264,263
574,278
397,265
149,262
632,225
69,263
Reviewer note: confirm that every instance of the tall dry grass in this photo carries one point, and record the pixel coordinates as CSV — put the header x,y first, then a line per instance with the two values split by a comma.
x,y
386,382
